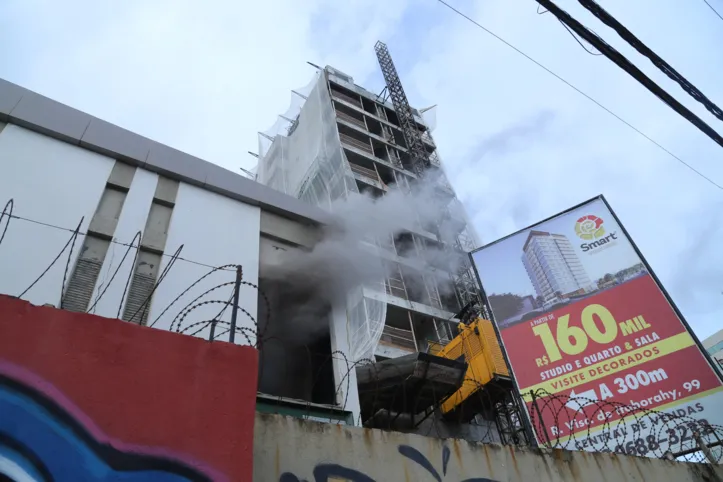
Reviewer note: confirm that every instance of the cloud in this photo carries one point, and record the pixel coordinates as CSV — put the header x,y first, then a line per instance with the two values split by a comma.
x,y
518,144
489,95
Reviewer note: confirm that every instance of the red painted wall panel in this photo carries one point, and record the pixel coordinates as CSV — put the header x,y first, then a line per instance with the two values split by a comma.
x,y
141,388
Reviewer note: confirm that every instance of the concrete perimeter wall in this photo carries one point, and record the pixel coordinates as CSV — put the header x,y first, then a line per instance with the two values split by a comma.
x,y
292,450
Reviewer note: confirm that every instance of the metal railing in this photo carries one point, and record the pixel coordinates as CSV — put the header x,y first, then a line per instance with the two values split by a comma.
x,y
350,141
399,338
351,119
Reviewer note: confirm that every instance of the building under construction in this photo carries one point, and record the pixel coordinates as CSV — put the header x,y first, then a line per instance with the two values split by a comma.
x,y
338,141
343,141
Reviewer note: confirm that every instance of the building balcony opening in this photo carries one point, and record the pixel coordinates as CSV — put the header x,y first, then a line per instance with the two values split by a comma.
x,y
367,190
353,138
397,332
369,106
405,160
375,127
380,150
394,283
447,294
363,167
340,93
405,245
392,116
432,334
386,174
349,115
414,282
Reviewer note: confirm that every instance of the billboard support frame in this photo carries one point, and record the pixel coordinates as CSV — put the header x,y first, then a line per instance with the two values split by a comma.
x,y
678,313
526,420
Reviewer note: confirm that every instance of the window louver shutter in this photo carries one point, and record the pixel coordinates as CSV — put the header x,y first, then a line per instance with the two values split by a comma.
x,y
80,288
140,291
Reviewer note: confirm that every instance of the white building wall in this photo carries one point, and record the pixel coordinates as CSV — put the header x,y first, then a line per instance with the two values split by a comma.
x,y
51,182
132,219
214,230
56,183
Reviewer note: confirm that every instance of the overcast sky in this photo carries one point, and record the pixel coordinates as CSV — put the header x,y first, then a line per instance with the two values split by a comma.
x,y
518,144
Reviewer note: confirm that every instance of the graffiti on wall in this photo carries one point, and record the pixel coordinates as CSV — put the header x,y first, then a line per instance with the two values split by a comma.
x,y
43,438
333,472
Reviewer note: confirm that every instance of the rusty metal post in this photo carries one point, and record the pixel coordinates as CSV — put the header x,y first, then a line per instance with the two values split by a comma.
x,y
234,312
212,335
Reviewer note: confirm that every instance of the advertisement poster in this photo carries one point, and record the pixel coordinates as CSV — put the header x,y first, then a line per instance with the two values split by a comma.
x,y
580,315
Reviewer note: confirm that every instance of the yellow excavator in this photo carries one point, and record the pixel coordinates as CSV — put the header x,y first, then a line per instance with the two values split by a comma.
x,y
477,345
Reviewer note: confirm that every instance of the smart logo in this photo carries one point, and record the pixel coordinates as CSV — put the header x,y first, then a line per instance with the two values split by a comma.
x,y
591,228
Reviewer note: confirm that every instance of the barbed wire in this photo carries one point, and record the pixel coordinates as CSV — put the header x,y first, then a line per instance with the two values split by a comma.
x,y
147,302
8,215
389,405
7,211
609,426
621,428
321,381
100,295
71,243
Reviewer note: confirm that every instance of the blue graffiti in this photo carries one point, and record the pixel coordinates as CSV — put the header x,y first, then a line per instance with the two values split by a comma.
x,y
40,441
325,472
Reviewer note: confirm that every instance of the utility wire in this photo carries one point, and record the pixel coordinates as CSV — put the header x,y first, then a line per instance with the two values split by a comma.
x,y
621,61
661,64
48,225
587,96
596,54
714,10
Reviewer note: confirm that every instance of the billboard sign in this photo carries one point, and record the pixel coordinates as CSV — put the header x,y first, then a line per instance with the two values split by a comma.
x,y
583,320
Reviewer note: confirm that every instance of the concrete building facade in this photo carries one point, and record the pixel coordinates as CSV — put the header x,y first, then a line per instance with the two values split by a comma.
x,y
553,266
341,141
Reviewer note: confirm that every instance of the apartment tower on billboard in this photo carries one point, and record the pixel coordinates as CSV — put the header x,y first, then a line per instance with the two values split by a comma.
x,y
553,267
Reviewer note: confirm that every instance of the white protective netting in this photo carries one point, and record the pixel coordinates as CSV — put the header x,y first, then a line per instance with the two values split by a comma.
x,y
429,116
301,155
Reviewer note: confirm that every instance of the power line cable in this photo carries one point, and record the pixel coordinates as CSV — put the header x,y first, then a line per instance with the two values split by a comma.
x,y
621,61
587,96
661,64
596,54
714,10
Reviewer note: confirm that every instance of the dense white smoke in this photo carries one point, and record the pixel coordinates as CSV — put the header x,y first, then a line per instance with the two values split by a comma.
x,y
304,284
345,259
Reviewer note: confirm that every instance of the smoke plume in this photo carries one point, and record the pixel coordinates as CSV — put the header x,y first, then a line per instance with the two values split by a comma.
x,y
345,258
304,285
